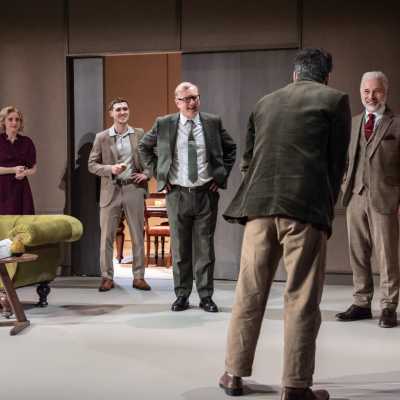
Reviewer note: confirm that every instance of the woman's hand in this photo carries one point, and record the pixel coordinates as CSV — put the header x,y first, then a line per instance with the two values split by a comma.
x,y
19,172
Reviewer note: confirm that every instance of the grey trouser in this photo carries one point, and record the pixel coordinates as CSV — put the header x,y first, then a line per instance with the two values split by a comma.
x,y
367,230
130,199
192,218
303,248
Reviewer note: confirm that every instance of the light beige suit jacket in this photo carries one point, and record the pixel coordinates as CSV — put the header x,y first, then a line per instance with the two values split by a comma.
x,y
384,164
104,155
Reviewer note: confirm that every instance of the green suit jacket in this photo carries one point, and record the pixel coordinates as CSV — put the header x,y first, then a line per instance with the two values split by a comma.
x,y
295,155
157,147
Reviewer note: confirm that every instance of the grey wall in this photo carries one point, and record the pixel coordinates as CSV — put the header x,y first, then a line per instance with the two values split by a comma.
x,y
88,120
230,84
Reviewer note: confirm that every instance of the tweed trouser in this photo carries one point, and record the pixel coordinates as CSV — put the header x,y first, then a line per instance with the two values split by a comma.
x,y
369,230
303,248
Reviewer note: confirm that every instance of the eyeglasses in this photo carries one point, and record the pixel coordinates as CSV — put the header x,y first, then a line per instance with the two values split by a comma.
x,y
118,109
188,98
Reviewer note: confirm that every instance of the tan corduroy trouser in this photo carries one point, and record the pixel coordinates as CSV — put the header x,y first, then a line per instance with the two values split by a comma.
x,y
303,249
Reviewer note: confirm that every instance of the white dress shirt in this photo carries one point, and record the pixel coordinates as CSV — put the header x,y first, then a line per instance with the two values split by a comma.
x,y
124,150
178,173
378,116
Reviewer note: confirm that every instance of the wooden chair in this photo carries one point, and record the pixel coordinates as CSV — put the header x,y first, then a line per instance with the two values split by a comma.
x,y
160,231
120,239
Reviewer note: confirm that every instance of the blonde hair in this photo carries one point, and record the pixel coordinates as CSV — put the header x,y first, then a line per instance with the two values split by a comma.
x,y
4,112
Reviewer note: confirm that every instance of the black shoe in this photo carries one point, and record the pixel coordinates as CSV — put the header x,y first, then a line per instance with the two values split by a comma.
x,y
355,313
388,318
180,304
208,305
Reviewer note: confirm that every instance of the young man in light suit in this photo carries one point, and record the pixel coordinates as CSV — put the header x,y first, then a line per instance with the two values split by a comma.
x,y
114,157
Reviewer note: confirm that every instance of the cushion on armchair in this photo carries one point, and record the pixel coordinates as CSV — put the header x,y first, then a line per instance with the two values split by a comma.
x,y
42,235
38,233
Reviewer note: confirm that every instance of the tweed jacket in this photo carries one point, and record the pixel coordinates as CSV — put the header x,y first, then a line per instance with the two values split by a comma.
x,y
157,148
104,155
383,157
295,155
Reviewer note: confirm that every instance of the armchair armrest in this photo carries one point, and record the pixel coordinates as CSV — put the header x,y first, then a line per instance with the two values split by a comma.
x,y
48,229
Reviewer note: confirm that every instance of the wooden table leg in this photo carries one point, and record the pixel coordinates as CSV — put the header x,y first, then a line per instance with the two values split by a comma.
x,y
21,322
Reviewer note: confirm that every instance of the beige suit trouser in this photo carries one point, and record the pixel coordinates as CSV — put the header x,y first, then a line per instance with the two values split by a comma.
x,y
369,230
130,199
304,252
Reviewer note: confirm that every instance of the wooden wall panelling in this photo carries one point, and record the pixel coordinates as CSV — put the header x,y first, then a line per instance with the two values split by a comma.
x,y
147,81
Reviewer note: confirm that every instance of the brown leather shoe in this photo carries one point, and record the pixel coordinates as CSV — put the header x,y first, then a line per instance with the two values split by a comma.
x,y
106,285
388,318
232,385
304,394
141,284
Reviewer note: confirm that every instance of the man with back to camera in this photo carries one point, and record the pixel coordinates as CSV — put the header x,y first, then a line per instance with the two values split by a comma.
x,y
115,158
293,164
371,193
193,160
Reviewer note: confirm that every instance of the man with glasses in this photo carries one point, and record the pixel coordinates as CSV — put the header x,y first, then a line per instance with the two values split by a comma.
x,y
115,158
191,155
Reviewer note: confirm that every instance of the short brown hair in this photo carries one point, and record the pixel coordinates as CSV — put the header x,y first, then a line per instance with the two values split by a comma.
x,y
116,101
4,112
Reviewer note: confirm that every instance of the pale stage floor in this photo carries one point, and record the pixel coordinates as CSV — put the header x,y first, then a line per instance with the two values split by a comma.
x,y
127,344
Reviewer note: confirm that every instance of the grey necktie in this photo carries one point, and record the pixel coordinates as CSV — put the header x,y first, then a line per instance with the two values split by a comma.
x,y
192,154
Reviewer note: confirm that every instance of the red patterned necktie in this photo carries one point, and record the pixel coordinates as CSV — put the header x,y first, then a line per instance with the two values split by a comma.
x,y
369,126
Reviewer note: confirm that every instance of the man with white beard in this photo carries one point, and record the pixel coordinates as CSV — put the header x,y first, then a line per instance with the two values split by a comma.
x,y
371,193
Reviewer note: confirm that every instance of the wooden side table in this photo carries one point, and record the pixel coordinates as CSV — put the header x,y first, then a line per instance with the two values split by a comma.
x,y
21,322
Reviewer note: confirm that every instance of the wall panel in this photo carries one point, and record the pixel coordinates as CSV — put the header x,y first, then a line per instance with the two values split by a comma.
x,y
361,36
85,187
230,84
120,26
235,25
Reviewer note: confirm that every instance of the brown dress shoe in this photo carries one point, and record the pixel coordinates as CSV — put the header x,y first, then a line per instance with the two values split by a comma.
x,y
232,385
388,318
354,313
304,394
106,285
141,284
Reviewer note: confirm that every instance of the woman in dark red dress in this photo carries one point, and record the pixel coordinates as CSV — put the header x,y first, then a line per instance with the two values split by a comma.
x,y
17,162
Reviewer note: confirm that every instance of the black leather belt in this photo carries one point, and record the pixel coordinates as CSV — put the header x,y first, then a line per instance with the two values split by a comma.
x,y
201,188
123,182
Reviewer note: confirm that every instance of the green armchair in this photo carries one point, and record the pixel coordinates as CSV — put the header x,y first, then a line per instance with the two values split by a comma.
x,y
41,235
